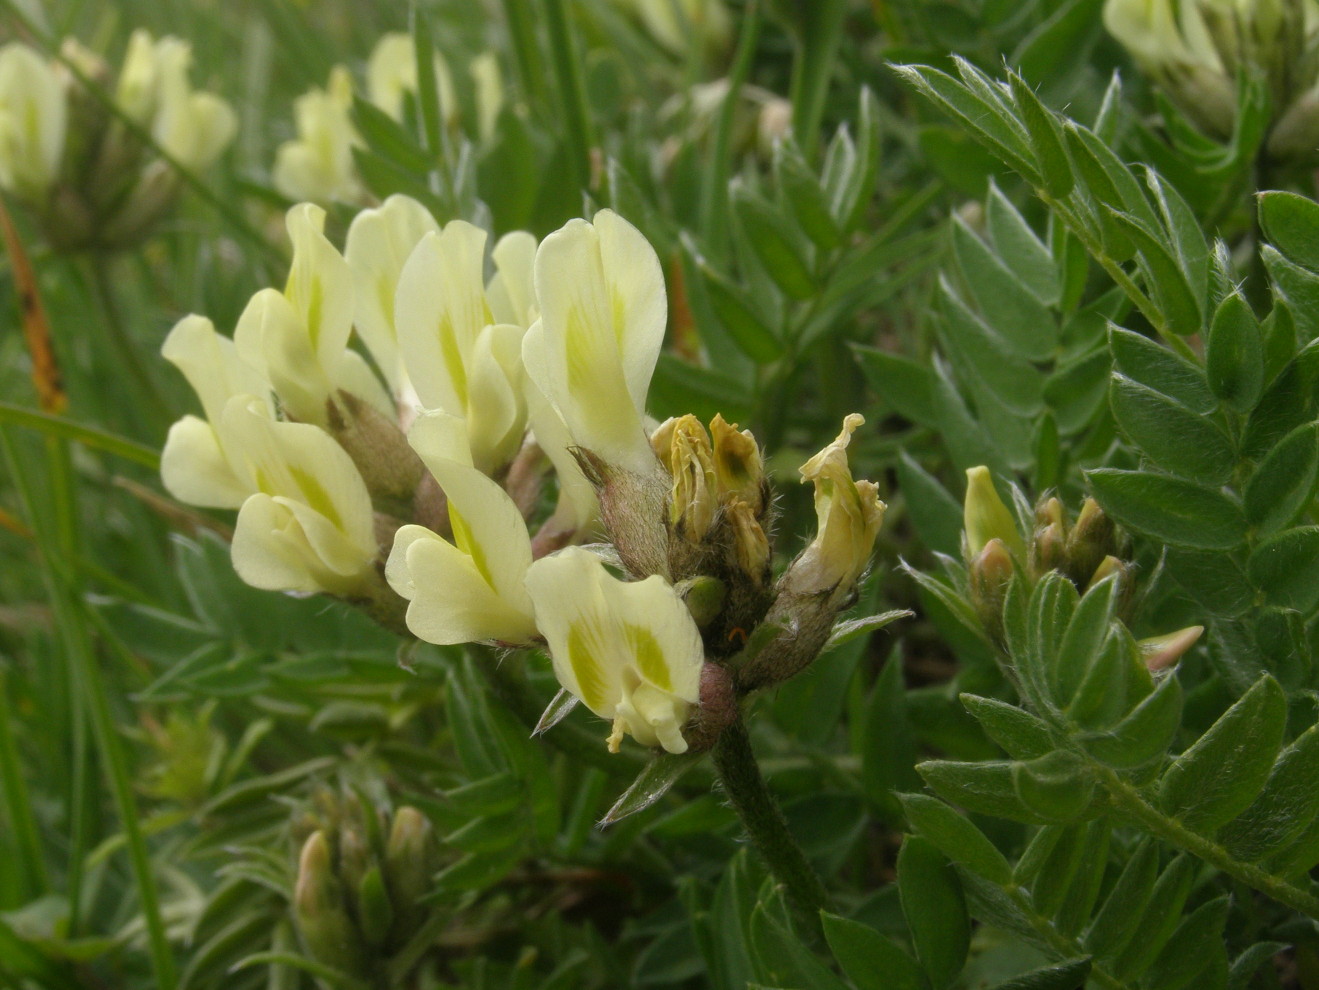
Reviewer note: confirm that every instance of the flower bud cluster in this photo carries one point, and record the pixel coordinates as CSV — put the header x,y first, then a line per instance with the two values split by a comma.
x,y
317,164
90,179
417,488
361,875
1195,50
1087,550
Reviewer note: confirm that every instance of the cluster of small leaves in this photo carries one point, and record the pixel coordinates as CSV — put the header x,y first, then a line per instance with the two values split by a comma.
x,y
1089,765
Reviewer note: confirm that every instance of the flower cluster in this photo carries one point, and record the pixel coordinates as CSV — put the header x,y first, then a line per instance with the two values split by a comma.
x,y
420,488
318,163
1195,50
88,175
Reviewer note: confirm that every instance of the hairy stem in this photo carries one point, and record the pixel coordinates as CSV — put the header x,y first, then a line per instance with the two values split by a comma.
x,y
1130,803
760,815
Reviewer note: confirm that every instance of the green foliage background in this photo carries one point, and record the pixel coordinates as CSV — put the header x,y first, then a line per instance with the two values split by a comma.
x,y
981,237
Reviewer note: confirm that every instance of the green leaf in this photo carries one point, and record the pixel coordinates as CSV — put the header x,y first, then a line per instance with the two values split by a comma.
x,y
956,837
1198,937
1285,568
1159,920
870,960
985,120
779,954
1157,368
1283,484
1290,400
1017,318
1187,237
654,781
777,250
935,909
1077,390
1052,881
1119,918
1056,787
1085,635
1234,355
1045,138
936,515
1016,245
1074,910
888,752
1022,735
1012,380
735,311
804,196
1114,682
1296,290
1173,436
1289,221
1178,512
1144,734
985,788
1165,278
900,383
1065,976
1287,805
1226,768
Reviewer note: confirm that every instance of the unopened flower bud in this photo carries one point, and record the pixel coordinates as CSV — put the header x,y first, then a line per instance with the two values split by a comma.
x,y
1047,550
991,573
379,449
321,912
985,517
411,857
375,913
738,466
1050,510
1161,652
1093,537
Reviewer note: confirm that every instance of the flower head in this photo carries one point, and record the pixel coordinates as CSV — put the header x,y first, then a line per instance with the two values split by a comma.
x,y
602,318
629,651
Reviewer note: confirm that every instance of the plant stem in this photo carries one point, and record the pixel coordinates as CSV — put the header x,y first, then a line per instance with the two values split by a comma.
x,y
1065,946
766,826
1133,805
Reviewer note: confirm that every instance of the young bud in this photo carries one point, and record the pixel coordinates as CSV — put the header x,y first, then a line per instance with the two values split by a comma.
x,y
1093,537
990,574
387,463
321,913
985,517
1161,652
1047,551
411,857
